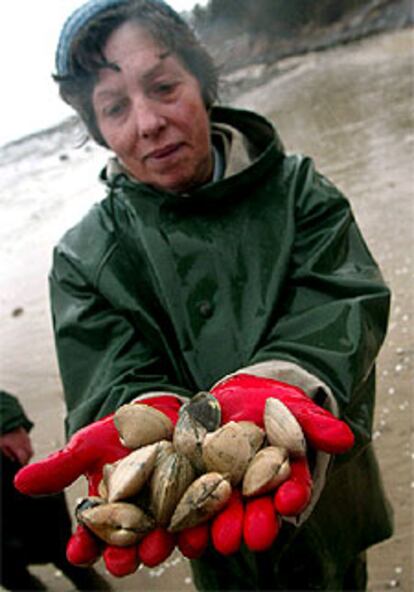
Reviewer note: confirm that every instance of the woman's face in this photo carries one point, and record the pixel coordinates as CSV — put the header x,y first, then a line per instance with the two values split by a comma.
x,y
151,112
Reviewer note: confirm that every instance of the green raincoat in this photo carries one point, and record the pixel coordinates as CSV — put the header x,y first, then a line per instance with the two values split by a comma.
x,y
154,291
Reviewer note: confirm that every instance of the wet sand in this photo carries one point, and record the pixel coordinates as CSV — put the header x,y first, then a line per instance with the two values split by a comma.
x,y
351,108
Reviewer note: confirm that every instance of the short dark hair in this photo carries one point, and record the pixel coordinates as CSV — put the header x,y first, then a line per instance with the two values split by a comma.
x,y
169,30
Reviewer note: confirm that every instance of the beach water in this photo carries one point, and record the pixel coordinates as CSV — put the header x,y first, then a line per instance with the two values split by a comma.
x,y
351,109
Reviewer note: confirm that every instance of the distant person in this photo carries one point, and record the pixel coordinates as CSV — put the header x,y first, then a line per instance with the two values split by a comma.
x,y
33,530
215,262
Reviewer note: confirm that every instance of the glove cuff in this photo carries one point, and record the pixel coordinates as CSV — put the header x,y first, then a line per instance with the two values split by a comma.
x,y
164,397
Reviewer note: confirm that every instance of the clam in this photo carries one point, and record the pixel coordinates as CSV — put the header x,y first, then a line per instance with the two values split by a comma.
x,y
102,489
165,448
203,499
282,428
268,469
254,434
118,523
227,451
85,503
171,477
127,476
139,425
200,415
205,409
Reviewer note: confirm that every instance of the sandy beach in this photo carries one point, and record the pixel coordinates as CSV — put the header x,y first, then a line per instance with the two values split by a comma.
x,y
351,109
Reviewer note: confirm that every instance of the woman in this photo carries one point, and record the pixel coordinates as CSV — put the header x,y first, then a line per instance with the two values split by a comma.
x,y
216,262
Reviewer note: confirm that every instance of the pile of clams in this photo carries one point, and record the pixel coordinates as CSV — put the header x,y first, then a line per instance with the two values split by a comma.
x,y
180,477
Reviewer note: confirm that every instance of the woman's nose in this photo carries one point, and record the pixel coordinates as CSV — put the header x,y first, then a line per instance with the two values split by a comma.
x,y
149,119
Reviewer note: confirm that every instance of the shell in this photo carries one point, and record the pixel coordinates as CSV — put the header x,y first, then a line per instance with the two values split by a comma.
x,y
139,425
165,448
282,428
205,409
102,489
268,469
86,503
188,439
202,500
119,524
227,451
197,417
173,474
254,434
127,476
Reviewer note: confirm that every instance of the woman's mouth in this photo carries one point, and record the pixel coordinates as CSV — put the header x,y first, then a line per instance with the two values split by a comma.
x,y
164,152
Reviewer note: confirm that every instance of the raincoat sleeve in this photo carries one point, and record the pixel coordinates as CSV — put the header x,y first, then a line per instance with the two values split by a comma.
x,y
335,308
12,414
104,362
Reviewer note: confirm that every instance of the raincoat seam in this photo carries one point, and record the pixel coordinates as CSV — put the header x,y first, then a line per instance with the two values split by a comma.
x,y
105,258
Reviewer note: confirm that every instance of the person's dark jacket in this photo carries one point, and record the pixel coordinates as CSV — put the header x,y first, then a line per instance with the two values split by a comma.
x,y
12,414
33,529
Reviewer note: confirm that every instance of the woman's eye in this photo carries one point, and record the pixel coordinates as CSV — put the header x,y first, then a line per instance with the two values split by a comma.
x,y
115,109
164,88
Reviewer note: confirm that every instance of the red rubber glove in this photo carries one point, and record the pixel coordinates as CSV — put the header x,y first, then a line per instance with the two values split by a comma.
x,y
255,521
85,454
242,397
293,496
193,541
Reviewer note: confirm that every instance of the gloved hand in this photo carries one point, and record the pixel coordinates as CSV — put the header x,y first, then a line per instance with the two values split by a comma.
x,y
242,397
86,454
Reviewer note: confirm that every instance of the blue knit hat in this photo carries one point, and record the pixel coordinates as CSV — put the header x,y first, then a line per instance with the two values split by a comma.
x,y
80,18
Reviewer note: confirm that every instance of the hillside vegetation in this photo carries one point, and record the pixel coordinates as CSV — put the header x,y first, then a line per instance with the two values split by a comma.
x,y
242,32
